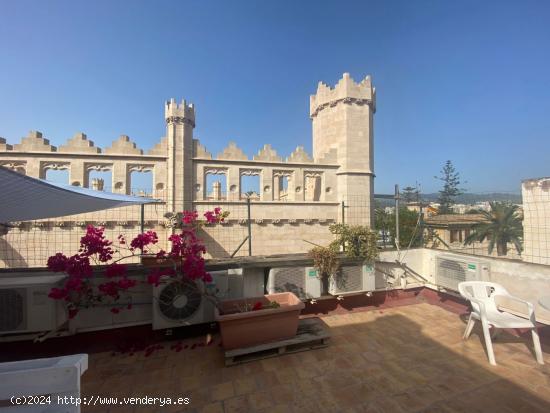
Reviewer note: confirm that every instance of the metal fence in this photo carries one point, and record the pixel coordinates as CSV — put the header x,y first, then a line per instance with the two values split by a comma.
x,y
254,227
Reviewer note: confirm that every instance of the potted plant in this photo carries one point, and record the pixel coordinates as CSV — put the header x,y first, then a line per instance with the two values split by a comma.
x,y
356,242
252,321
325,261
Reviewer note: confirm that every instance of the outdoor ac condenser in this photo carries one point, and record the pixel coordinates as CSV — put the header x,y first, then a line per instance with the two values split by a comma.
x,y
25,306
351,279
302,281
450,270
177,304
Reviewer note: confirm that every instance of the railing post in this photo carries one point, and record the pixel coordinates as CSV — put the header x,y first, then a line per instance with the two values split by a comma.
x,y
142,218
397,216
249,227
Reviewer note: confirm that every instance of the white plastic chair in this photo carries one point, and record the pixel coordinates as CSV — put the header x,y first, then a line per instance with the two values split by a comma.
x,y
482,295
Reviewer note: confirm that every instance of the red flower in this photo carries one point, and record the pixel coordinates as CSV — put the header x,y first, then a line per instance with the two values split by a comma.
x,y
258,306
115,310
57,262
115,270
142,240
189,217
154,276
78,266
72,312
109,288
58,294
73,284
94,242
126,283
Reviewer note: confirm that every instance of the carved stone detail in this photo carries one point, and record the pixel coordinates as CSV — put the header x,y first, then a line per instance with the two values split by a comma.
x,y
17,166
179,120
313,174
210,170
281,173
56,166
250,172
138,167
100,167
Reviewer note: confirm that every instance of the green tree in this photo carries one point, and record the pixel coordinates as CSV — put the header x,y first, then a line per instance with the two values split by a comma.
x,y
410,194
408,228
451,183
503,225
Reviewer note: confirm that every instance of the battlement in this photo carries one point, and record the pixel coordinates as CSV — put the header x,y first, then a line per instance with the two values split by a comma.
x,y
179,112
345,91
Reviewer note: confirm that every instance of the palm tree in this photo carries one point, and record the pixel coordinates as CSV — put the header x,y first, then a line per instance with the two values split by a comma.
x,y
502,225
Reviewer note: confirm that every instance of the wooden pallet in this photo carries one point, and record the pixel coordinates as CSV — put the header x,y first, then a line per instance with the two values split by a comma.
x,y
312,333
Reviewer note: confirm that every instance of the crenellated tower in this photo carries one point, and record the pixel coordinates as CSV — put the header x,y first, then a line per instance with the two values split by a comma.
x,y
342,120
180,122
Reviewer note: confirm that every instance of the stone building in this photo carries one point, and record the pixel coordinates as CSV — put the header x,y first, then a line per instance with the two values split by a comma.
x,y
297,197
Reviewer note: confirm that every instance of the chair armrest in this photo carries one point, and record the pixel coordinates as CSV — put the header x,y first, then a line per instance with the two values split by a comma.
x,y
530,308
481,304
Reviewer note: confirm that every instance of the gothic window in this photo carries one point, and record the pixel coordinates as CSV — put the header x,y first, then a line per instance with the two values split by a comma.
x,y
215,187
250,184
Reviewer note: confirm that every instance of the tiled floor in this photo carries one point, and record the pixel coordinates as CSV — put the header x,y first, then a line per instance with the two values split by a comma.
x,y
403,359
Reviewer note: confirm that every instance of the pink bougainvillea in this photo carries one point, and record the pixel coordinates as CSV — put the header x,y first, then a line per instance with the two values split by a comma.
x,y
186,254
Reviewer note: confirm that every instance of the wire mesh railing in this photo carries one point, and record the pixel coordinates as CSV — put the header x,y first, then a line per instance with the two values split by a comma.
x,y
254,227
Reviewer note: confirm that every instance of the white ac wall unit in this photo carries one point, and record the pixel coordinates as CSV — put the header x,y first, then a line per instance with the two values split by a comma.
x,y
352,279
302,281
451,270
177,304
25,306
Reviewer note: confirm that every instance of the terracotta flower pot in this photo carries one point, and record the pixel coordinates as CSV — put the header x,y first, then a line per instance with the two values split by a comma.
x,y
250,328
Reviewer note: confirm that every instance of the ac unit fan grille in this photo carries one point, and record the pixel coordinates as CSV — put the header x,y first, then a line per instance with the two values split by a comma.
x,y
290,279
175,293
12,310
349,278
450,273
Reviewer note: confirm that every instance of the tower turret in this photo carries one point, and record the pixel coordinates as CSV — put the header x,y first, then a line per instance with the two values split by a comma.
x,y
342,119
180,122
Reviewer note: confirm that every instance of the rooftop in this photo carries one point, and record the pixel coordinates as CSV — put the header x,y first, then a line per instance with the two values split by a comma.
x,y
409,358
455,219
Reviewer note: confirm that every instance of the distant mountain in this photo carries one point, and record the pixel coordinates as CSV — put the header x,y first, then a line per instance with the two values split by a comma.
x,y
473,198
463,199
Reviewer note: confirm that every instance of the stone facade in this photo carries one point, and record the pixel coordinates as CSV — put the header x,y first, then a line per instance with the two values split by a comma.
x,y
536,220
298,196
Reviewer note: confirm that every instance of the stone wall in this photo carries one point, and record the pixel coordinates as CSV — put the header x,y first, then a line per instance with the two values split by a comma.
x,y
298,197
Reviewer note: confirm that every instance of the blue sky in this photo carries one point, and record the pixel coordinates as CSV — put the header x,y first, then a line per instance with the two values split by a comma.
x,y
467,81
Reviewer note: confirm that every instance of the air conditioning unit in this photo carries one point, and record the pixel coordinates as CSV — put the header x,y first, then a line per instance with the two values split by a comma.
x,y
352,279
302,281
25,306
451,270
177,304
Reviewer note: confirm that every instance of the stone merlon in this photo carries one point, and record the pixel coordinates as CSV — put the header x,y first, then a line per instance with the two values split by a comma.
x,y
346,90
179,111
